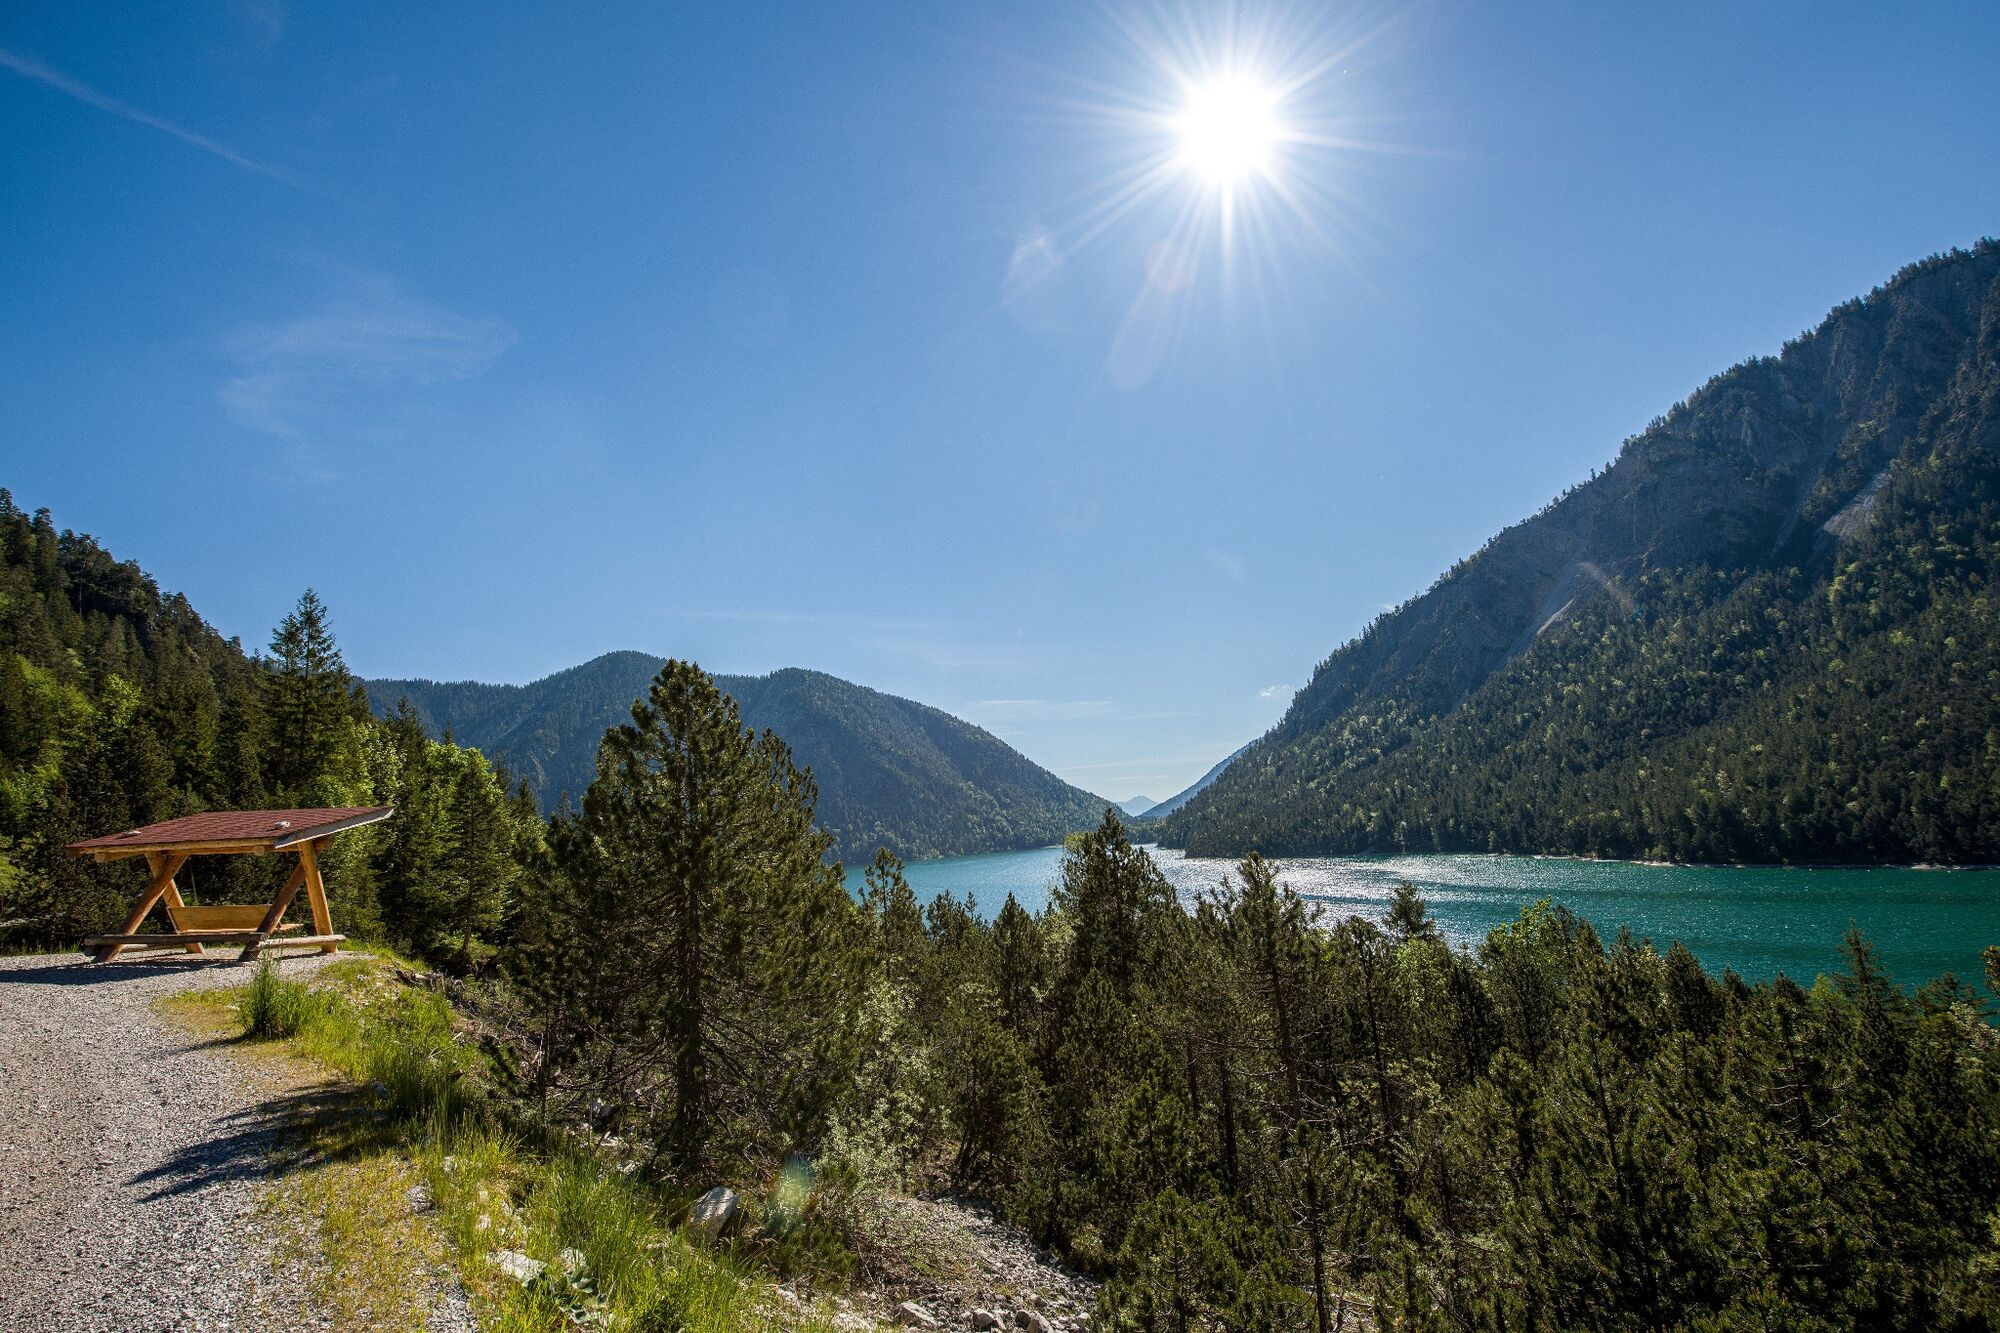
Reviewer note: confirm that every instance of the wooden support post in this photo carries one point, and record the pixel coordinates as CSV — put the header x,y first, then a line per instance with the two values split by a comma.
x,y
172,896
272,917
316,892
163,880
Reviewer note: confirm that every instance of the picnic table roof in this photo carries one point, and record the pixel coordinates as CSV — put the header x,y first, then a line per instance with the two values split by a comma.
x,y
233,830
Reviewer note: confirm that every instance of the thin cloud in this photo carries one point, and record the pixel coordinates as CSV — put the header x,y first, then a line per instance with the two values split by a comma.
x,y
1273,691
29,68
374,339
1034,257
953,653
834,618
1035,293
266,20
1228,562
1039,710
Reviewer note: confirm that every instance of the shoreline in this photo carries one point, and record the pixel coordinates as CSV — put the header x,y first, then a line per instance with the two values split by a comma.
x,y
1944,867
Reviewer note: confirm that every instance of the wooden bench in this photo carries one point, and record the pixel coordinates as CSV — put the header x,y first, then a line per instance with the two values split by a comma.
x,y
168,845
190,919
196,924
193,940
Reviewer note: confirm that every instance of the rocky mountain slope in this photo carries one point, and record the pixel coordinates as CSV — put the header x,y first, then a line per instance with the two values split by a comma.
x,y
891,772
1794,561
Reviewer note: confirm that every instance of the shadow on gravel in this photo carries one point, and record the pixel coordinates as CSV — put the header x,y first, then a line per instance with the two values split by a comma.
x,y
273,1139
85,973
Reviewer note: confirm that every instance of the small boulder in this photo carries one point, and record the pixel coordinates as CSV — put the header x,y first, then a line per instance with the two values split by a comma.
x,y
911,1315
983,1319
418,1198
516,1265
1030,1322
713,1212
571,1261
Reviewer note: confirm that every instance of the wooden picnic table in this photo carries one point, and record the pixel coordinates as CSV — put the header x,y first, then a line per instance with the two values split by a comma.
x,y
169,845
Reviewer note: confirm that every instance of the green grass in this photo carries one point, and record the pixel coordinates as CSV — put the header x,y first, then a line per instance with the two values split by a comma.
x,y
416,1108
275,1007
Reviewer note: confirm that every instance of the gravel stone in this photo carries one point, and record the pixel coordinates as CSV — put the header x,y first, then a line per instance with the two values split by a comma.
x,y
130,1157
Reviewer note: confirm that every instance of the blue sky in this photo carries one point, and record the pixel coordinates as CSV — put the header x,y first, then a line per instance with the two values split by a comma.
x,y
771,336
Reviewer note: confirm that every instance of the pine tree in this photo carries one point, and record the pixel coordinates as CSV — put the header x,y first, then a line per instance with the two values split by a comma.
x,y
898,922
1114,898
1279,960
311,701
1409,919
701,950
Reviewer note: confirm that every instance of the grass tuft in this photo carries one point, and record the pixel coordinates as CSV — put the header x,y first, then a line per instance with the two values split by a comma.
x,y
274,1007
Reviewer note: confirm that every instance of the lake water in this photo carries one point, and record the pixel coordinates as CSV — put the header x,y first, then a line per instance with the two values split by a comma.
x,y
1758,920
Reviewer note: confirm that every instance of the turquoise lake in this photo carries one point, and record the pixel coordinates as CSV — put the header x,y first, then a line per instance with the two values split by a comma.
x,y
1759,920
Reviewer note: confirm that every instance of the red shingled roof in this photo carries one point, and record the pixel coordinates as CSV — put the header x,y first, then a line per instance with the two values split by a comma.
x,y
279,828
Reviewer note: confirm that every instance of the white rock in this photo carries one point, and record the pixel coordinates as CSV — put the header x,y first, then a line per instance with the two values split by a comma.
x,y
419,1199
571,1261
516,1265
713,1212
912,1315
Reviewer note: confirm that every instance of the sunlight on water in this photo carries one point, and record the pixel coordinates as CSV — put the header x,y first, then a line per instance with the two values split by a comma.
x,y
1758,920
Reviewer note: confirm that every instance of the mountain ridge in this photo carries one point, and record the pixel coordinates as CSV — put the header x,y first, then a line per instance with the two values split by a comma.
x,y
1757,494
892,771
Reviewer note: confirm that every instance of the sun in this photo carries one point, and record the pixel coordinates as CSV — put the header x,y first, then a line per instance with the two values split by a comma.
x,y
1228,130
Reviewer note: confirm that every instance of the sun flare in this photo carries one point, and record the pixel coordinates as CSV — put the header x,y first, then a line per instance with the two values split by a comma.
x,y
1222,141
1228,129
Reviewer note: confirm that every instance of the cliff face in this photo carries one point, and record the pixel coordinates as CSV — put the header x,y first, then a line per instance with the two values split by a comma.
x,y
1768,467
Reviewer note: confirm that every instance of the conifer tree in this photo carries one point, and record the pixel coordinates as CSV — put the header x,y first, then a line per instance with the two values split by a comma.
x,y
898,922
703,954
311,700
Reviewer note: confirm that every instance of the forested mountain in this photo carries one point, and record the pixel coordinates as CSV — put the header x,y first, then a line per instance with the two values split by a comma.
x,y
1766,632
891,772
120,706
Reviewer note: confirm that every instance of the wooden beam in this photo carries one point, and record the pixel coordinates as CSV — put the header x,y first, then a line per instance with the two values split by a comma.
x,y
316,891
172,897
212,934
178,938
269,924
163,879
103,854
326,943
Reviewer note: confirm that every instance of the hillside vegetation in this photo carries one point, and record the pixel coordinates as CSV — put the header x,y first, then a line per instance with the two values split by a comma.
x,y
1765,633
120,706
891,772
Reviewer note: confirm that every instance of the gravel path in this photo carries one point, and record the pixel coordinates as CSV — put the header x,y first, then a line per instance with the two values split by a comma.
x,y
130,1154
